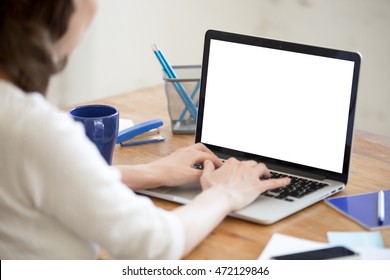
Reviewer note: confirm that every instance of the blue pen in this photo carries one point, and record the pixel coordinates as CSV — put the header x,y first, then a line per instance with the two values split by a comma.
x,y
178,86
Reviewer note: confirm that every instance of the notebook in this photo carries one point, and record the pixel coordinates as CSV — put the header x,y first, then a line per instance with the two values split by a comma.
x,y
363,209
288,105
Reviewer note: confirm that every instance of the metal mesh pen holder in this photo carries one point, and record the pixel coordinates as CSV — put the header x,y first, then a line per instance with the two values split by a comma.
x,y
183,121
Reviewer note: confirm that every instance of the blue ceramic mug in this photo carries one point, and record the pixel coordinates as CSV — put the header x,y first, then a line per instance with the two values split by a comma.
x,y
101,124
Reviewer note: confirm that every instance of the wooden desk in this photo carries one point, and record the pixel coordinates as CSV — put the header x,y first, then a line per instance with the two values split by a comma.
x,y
236,239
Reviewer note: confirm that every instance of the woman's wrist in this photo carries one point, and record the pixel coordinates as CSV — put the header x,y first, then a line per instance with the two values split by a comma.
x,y
217,196
142,176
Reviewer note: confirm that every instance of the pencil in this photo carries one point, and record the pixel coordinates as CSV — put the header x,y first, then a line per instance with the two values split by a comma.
x,y
192,98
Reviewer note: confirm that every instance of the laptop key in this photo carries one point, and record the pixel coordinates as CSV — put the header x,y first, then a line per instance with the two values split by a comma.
x,y
297,188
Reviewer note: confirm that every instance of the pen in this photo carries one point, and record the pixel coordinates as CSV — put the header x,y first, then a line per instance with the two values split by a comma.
x,y
179,87
381,207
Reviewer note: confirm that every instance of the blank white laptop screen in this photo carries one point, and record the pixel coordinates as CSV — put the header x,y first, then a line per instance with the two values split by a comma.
x,y
278,104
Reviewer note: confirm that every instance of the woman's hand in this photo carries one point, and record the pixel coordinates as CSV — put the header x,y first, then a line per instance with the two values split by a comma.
x,y
178,167
173,170
232,186
239,181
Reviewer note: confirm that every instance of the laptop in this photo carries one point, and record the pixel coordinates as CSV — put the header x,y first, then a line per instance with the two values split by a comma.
x,y
289,105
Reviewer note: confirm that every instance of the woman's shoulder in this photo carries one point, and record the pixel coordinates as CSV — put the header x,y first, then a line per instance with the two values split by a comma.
x,y
30,120
15,101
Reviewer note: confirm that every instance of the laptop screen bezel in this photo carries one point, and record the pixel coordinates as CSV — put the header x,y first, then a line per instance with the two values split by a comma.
x,y
288,46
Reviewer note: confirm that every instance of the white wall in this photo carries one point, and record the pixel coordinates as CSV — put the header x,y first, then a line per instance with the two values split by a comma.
x,y
116,55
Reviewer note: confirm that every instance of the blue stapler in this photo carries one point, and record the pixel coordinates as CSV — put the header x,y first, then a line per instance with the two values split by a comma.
x,y
142,133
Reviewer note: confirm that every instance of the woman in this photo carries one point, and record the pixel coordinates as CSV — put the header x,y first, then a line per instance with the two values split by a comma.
x,y
58,197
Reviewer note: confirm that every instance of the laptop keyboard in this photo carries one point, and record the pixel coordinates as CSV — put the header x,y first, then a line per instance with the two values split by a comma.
x,y
298,187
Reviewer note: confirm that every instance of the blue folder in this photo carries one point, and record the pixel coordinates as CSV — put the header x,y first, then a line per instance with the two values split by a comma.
x,y
363,208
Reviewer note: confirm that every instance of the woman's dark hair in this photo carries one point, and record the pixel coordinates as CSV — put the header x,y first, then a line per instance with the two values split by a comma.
x,y
28,30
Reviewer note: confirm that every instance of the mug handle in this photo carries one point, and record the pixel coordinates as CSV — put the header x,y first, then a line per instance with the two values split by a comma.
x,y
98,132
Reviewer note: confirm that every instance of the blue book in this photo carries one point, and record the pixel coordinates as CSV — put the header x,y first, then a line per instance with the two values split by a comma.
x,y
363,209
